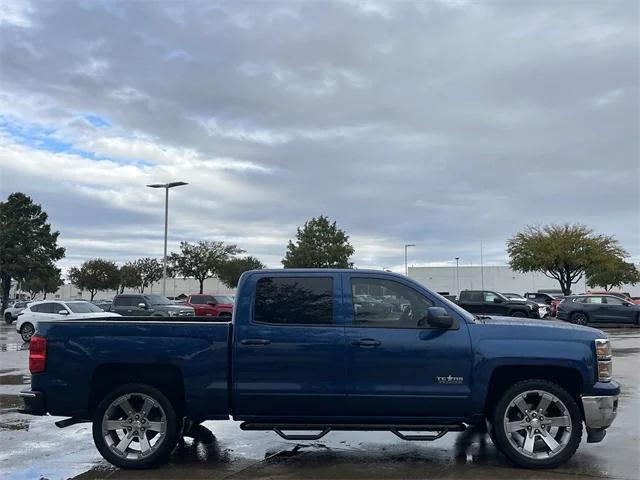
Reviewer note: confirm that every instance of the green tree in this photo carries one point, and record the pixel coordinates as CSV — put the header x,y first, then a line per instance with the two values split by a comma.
x,y
26,241
150,270
130,276
202,260
230,271
45,279
95,275
319,244
612,272
562,252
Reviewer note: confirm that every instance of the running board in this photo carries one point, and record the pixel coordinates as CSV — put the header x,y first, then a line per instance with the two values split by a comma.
x,y
322,430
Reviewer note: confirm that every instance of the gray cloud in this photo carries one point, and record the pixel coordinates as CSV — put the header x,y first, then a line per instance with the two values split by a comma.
x,y
434,123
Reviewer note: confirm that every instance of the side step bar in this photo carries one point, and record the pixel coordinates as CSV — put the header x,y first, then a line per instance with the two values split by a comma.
x,y
322,430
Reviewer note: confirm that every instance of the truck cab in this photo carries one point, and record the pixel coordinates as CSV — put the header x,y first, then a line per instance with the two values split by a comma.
x,y
207,305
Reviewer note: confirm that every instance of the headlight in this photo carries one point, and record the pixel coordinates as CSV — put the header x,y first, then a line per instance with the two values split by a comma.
x,y
603,349
605,364
172,313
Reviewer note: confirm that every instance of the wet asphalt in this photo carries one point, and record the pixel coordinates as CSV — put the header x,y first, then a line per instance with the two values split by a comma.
x,y
34,448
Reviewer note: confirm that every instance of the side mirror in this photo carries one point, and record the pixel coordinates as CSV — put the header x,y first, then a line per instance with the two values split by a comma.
x,y
63,312
497,300
439,318
142,305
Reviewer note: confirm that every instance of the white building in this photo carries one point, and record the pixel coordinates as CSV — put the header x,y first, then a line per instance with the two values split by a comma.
x,y
175,287
496,278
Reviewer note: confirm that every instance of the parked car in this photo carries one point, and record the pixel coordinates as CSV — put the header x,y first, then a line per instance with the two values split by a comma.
x,y
12,312
56,310
145,305
485,302
543,308
297,357
623,295
584,309
220,306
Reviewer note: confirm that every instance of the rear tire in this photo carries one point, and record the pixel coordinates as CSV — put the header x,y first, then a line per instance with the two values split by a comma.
x,y
579,318
8,318
538,424
26,332
135,427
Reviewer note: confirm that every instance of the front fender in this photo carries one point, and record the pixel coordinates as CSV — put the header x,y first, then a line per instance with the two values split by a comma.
x,y
490,354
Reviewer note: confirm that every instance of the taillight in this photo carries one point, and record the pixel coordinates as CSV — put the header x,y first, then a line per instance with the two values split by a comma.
x,y
37,354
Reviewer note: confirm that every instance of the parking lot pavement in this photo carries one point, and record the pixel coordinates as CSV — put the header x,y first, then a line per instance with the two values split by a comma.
x,y
33,448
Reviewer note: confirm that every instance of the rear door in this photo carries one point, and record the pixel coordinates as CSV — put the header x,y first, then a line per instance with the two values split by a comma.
x,y
472,301
397,366
597,309
122,305
289,348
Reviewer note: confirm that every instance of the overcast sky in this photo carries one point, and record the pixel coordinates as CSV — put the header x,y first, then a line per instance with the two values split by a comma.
x,y
442,124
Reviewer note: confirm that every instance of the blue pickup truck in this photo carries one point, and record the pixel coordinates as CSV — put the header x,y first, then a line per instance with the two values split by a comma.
x,y
305,355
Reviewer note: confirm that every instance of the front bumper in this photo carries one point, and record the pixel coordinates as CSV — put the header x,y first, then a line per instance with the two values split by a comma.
x,y
599,411
33,403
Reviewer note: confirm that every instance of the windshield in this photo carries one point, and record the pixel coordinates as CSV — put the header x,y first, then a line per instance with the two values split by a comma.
x,y
83,307
158,300
223,298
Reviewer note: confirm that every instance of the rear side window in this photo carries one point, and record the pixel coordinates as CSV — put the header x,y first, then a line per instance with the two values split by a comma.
x,y
294,300
38,308
122,302
201,299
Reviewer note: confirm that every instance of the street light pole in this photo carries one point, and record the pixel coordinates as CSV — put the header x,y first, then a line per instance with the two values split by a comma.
x,y
457,276
406,268
166,187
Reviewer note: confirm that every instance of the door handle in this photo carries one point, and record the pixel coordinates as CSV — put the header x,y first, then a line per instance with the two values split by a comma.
x,y
366,342
255,341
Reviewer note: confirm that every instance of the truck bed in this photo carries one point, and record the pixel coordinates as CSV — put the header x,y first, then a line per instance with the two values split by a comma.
x,y
88,355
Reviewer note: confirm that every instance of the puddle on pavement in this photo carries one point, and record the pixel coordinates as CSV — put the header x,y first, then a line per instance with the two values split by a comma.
x,y
15,379
14,425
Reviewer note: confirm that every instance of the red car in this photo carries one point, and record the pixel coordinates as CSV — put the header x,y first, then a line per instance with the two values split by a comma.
x,y
211,305
623,295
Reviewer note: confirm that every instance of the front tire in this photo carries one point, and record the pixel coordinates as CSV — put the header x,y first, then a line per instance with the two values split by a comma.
x,y
579,318
26,332
537,424
135,427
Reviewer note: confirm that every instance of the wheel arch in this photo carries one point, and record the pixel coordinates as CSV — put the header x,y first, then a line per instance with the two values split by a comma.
x,y
505,376
166,378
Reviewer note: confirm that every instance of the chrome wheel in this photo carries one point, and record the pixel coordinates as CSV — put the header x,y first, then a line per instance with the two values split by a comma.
x,y
134,426
537,424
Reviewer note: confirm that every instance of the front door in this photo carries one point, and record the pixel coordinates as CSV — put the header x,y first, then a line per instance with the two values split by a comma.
x,y
396,365
289,348
620,311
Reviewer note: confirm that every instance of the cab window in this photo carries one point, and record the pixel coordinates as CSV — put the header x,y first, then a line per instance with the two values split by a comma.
x,y
387,304
294,300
